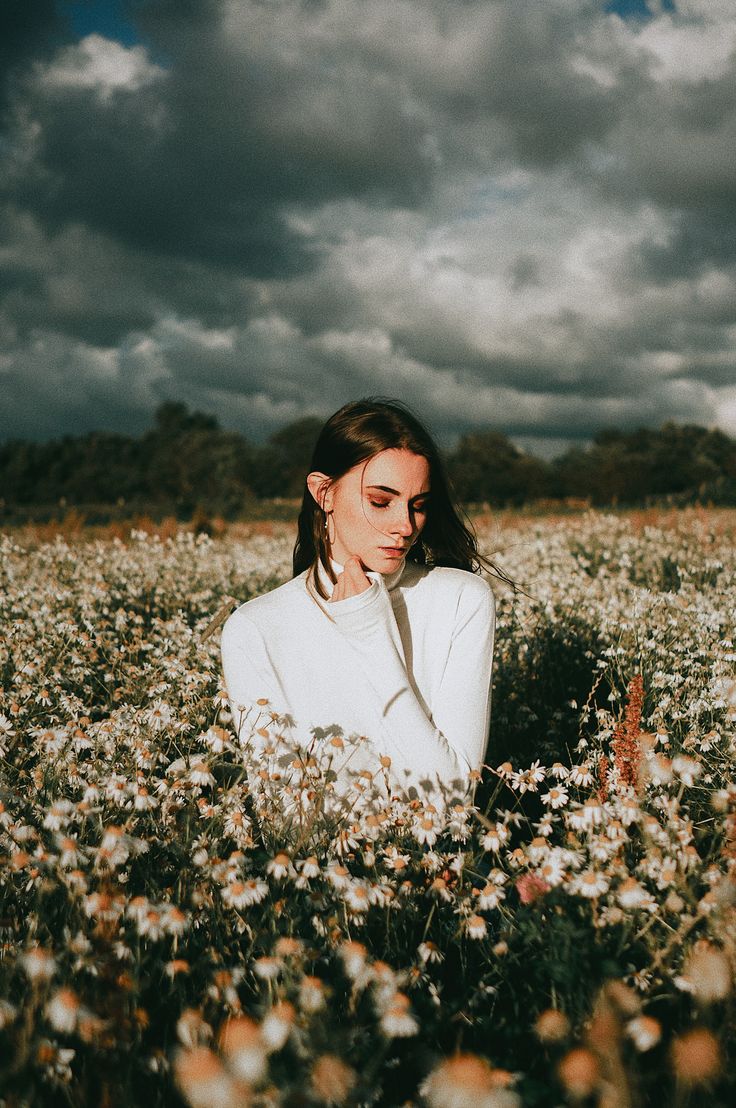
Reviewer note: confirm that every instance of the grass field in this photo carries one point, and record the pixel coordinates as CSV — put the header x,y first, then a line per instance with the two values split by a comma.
x,y
168,938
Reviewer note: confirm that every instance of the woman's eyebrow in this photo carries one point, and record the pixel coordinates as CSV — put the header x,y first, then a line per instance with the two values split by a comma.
x,y
385,488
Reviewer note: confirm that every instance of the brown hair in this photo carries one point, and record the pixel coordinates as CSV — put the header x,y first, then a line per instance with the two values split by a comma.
x,y
357,432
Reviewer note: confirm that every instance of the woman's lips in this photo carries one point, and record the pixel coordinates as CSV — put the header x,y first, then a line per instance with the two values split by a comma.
x,y
394,551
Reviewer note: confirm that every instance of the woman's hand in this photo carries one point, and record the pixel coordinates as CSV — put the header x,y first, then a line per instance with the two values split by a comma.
x,y
351,581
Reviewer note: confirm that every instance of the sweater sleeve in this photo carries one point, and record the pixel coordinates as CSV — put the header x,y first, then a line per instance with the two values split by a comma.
x,y
445,748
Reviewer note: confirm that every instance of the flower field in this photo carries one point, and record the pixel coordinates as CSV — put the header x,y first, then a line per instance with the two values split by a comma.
x,y
170,936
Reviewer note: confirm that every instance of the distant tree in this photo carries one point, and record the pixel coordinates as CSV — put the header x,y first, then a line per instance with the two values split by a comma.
x,y
487,466
280,467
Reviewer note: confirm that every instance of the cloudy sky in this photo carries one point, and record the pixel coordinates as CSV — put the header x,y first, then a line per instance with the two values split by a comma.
x,y
518,214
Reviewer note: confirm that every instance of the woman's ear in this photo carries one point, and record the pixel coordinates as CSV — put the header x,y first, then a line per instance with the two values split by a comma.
x,y
318,483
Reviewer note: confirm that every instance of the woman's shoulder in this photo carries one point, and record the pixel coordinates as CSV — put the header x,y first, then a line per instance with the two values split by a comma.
x,y
264,610
448,581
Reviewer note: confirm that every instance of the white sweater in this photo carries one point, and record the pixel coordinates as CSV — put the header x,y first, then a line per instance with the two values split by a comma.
x,y
406,663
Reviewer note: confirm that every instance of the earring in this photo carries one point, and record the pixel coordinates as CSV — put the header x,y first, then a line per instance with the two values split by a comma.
x,y
330,540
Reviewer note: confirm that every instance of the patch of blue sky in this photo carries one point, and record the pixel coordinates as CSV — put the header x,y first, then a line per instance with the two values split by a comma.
x,y
109,18
639,9
101,17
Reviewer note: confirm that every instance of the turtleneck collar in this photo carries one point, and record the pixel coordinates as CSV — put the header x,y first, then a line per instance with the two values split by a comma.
x,y
390,580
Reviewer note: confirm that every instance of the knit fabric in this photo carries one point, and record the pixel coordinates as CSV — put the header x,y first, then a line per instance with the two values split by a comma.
x,y
406,664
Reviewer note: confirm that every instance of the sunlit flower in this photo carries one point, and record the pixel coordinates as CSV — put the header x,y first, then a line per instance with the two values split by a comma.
x,y
39,964
280,867
467,1081
644,1031
590,883
203,1079
552,1026
696,1056
311,994
581,775
62,1010
332,1079
277,1024
476,927
397,1020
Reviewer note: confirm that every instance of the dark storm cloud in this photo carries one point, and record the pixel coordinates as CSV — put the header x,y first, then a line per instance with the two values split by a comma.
x,y
520,217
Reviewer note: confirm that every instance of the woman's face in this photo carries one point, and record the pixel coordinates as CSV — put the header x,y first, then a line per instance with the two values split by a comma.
x,y
379,508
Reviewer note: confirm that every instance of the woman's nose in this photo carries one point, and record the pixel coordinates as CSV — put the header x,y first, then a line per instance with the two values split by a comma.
x,y
403,523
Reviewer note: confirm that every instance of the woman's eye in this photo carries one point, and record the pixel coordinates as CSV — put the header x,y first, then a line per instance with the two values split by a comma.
x,y
378,503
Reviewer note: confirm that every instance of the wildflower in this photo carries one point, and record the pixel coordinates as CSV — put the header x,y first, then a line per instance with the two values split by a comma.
x,y
62,1010
592,814
397,1020
578,1072
581,775
557,797
630,894
38,963
241,894
267,968
176,966
200,773
425,831
696,1056
429,952
495,838
331,1079
58,815
687,769
338,876
311,994
204,1081
277,1024
590,883
552,1026
280,867
353,956
174,920
357,897
490,896
192,1028
8,1013
467,1081
439,887
158,716
707,973
644,1031
476,927
530,888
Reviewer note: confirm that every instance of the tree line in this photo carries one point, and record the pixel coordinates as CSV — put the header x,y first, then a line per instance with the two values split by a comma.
x,y
186,463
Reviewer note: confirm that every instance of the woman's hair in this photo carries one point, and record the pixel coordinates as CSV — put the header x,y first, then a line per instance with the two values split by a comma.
x,y
357,432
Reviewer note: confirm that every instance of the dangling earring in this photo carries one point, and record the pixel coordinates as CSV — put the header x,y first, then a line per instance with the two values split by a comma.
x,y
327,529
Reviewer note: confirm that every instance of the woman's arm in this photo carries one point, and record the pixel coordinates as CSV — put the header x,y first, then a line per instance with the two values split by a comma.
x,y
446,748
249,676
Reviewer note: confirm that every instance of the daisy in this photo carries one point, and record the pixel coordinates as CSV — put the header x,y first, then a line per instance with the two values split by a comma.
x,y
590,883
241,1043
277,1025
311,994
397,1020
476,927
280,867
62,1010
557,797
581,775
490,897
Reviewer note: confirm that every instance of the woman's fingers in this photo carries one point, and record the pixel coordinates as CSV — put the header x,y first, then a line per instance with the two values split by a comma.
x,y
352,580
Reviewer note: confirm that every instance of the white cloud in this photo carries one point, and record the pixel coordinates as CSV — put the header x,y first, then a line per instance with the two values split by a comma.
x,y
103,66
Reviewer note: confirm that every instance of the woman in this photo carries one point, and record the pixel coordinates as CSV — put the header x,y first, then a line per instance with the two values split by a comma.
x,y
385,630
